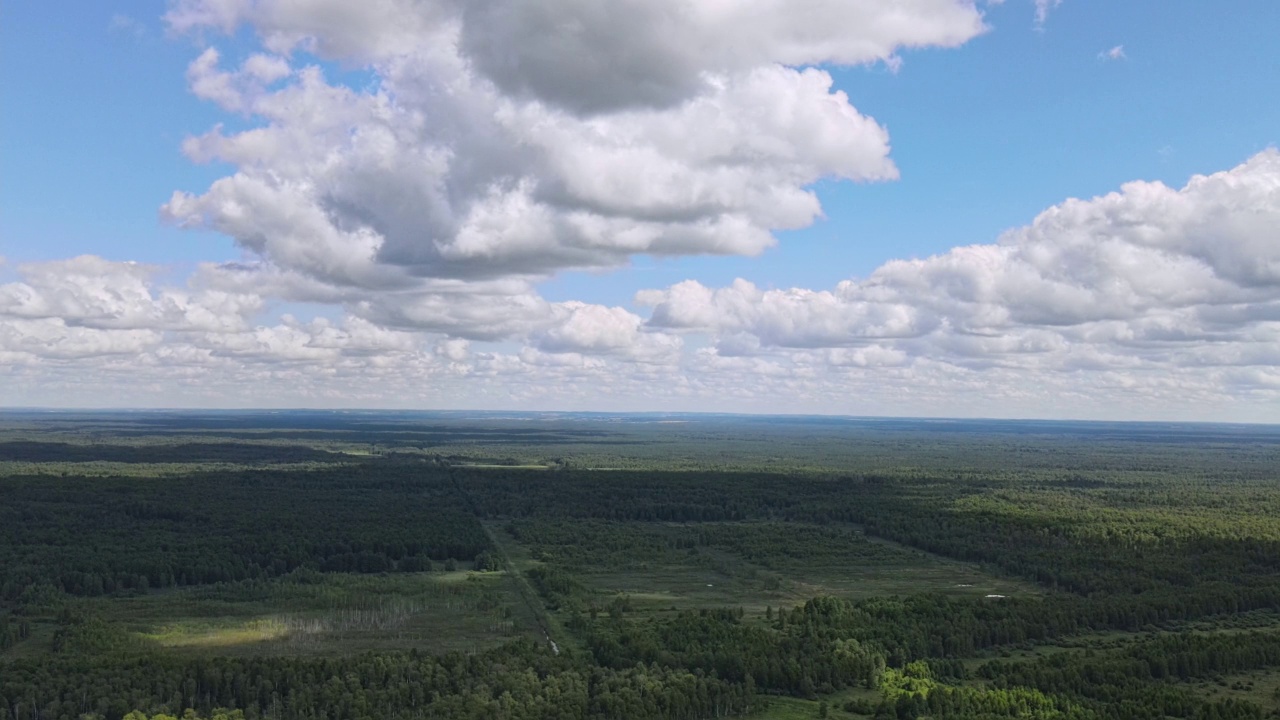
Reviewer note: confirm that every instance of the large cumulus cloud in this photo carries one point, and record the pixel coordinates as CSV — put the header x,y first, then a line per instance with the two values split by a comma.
x,y
498,143
592,57
1148,277
514,138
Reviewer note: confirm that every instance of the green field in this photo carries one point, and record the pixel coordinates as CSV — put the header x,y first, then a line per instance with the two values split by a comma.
x,y
301,614
666,567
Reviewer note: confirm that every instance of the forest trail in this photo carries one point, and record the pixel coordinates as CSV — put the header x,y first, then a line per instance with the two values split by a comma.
x,y
533,602
537,610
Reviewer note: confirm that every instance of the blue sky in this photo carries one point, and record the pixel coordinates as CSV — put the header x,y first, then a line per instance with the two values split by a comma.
x,y
985,136
96,113
990,134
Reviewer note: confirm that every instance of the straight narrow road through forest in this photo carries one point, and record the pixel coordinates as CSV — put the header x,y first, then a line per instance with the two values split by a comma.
x,y
537,610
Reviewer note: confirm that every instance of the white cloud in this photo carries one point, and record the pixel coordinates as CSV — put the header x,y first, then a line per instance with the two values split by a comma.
x,y
1150,302
238,91
486,148
644,54
659,54
124,24
1149,279
1126,256
52,339
454,349
91,292
797,317
1043,8
595,329
1115,53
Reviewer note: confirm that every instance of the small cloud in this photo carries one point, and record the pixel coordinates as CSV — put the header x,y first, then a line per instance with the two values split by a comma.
x,y
455,349
1115,53
126,25
1042,11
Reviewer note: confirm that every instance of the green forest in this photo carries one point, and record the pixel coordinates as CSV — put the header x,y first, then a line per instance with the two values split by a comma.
x,y
238,566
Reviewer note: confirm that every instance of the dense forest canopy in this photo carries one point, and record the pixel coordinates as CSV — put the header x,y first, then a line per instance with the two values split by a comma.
x,y
408,565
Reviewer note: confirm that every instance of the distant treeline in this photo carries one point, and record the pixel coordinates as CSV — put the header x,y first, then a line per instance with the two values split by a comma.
x,y
187,452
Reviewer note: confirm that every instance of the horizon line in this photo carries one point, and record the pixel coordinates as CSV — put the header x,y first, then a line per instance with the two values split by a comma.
x,y
6,409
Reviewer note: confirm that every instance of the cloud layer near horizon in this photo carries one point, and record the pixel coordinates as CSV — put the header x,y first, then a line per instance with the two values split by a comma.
x,y
479,158
1154,297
